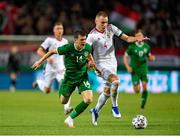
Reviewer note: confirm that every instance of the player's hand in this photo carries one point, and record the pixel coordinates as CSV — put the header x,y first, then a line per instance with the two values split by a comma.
x,y
140,39
152,58
36,65
50,60
129,69
91,64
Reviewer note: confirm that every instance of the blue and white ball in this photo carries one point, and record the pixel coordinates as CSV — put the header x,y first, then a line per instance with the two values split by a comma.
x,y
139,122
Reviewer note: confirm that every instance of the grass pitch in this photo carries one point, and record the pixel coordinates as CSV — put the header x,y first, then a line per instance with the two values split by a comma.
x,y
35,113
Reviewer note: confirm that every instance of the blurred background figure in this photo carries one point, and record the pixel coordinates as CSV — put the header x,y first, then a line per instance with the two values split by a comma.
x,y
13,67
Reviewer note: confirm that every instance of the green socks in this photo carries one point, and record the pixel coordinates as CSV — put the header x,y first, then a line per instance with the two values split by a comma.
x,y
144,98
79,109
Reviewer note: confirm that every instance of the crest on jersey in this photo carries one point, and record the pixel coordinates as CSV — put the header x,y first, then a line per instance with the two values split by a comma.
x,y
86,54
145,50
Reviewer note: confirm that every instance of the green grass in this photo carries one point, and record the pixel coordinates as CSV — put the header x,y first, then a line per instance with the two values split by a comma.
x,y
34,113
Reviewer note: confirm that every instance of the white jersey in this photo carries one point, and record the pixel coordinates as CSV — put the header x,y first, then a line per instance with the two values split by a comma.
x,y
103,49
52,43
102,43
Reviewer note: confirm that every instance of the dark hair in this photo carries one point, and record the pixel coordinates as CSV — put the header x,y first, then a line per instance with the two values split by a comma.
x,y
58,23
102,13
79,32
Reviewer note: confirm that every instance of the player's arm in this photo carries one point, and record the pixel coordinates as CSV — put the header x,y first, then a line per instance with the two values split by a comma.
x,y
91,64
151,57
41,52
126,60
131,39
38,63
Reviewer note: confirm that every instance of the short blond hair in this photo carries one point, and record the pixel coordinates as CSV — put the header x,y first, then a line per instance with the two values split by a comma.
x,y
101,13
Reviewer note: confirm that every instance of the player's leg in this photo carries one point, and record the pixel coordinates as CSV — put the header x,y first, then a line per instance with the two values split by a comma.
x,y
144,96
101,102
67,108
136,83
45,84
13,77
87,95
114,80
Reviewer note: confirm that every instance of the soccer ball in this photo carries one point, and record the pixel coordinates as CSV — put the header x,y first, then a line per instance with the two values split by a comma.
x,y
139,122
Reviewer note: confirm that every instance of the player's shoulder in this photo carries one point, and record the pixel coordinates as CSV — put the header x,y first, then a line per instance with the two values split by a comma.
x,y
88,45
93,31
49,38
64,40
132,45
147,45
111,26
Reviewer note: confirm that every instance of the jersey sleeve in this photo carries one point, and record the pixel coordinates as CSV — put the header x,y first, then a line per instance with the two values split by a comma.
x,y
63,49
46,44
90,39
116,30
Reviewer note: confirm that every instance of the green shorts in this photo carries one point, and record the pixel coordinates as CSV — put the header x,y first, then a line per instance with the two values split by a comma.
x,y
67,87
137,76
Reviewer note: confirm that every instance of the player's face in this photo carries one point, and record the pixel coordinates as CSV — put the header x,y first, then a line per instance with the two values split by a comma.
x,y
80,41
101,23
139,34
58,30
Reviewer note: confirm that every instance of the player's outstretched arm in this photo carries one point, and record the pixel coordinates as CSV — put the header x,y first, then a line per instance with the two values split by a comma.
x,y
131,39
151,58
128,67
38,63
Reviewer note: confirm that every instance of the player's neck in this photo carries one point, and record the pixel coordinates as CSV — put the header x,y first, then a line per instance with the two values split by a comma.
x,y
59,38
139,44
77,47
99,30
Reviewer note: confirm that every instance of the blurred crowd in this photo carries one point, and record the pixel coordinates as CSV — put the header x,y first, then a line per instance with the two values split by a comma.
x,y
159,19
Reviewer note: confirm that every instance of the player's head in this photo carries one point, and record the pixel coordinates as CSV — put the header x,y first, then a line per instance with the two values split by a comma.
x,y
101,21
14,50
80,38
58,29
139,33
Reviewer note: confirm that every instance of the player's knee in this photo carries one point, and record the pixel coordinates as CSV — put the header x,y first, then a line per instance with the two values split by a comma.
x,y
63,100
88,100
137,89
115,85
144,86
113,78
107,90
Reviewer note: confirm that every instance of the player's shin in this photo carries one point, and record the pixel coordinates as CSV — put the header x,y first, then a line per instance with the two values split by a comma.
x,y
79,109
114,93
67,107
144,98
101,101
41,85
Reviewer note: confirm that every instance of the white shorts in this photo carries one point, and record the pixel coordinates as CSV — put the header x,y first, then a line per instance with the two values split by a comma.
x,y
49,76
107,69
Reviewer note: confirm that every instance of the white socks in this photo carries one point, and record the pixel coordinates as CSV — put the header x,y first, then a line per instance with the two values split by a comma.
x,y
41,85
101,101
67,105
114,93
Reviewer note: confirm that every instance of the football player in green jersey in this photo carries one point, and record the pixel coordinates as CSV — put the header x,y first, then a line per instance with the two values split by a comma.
x,y
76,58
138,53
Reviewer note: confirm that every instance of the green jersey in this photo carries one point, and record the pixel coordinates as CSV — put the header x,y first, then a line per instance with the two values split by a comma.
x,y
138,54
75,61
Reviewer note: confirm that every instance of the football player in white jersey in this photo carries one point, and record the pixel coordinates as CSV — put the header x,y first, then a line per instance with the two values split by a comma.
x,y
101,39
54,68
